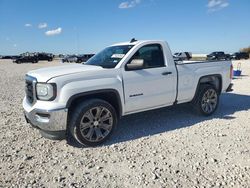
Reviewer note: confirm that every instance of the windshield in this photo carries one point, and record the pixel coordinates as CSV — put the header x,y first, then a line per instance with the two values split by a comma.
x,y
109,57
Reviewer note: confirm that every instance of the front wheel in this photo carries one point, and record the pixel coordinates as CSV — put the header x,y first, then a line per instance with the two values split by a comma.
x,y
92,122
207,100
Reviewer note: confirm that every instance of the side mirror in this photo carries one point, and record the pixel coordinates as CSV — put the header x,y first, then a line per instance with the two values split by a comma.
x,y
135,64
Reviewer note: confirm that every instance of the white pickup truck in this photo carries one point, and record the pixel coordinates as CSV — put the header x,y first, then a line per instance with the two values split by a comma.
x,y
85,101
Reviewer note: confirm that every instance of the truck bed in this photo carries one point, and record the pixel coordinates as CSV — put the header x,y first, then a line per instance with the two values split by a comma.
x,y
190,72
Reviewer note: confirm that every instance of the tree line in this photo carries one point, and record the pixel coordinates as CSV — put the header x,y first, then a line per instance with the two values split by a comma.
x,y
247,49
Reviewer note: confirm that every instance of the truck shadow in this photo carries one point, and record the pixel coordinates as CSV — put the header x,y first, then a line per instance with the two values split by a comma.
x,y
158,121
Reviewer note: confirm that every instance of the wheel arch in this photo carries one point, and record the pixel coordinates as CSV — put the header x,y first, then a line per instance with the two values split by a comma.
x,y
112,96
213,79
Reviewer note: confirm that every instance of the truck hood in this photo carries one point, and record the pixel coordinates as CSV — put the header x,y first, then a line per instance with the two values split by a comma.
x,y
45,74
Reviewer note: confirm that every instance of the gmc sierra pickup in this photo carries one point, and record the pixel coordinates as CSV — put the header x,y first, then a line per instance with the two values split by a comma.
x,y
85,101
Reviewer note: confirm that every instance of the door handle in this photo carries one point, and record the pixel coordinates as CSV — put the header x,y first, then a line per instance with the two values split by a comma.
x,y
166,73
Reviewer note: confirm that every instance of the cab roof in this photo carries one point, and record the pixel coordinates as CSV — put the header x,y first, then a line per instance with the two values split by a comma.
x,y
135,42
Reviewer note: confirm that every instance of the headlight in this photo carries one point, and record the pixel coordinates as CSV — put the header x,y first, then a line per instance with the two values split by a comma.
x,y
46,92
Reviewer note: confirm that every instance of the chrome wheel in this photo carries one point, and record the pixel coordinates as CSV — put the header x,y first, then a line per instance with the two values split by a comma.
x,y
96,124
209,101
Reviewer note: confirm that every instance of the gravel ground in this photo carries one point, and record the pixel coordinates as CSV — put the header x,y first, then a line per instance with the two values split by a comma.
x,y
171,147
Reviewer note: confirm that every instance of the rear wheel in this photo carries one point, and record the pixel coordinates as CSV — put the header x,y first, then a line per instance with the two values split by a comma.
x,y
92,122
207,100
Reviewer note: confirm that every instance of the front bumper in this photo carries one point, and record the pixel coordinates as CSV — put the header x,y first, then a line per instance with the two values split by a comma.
x,y
47,120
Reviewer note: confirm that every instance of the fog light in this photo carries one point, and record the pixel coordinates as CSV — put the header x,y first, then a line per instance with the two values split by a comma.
x,y
43,118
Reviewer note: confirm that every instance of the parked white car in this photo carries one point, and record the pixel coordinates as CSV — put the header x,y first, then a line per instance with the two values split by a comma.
x,y
181,56
86,101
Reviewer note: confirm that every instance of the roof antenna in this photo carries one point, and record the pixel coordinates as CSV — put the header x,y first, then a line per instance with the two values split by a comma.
x,y
133,40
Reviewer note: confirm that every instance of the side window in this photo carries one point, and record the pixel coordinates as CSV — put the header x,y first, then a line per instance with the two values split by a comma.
x,y
151,54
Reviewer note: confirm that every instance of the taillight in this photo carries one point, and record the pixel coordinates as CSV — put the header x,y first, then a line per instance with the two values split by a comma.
x,y
231,71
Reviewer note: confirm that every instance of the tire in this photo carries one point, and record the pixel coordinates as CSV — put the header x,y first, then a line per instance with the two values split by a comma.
x,y
207,100
87,127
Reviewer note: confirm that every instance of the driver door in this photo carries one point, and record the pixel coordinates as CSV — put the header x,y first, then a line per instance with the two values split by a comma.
x,y
152,86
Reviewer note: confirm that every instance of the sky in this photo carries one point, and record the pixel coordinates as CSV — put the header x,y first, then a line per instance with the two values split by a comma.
x,y
88,26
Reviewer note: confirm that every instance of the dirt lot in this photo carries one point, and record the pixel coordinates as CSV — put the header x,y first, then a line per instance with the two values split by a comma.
x,y
171,147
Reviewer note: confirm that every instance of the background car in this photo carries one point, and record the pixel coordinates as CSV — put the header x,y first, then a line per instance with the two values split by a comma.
x,y
30,58
45,57
84,58
239,55
15,56
181,56
70,59
61,55
218,56
7,57
77,58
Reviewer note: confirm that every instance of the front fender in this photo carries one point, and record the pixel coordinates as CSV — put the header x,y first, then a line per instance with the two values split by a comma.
x,y
83,86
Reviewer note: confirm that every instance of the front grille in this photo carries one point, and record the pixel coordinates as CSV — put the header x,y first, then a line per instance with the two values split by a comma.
x,y
29,88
